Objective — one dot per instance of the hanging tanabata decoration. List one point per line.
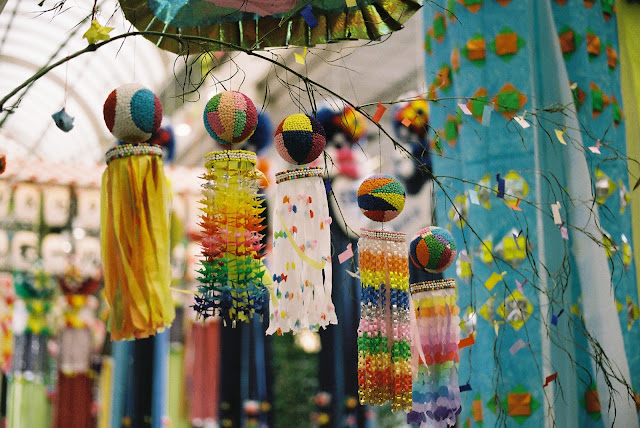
(384, 346)
(135, 218)
(73, 406)
(7, 299)
(301, 238)
(27, 392)
(231, 277)
(436, 394)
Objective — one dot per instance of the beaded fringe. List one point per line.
(436, 394)
(384, 345)
(232, 269)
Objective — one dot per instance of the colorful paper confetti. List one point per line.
(346, 254)
(467, 341)
(518, 345)
(379, 112)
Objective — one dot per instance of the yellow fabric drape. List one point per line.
(104, 388)
(628, 18)
(134, 231)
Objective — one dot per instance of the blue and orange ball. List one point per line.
(381, 197)
(230, 117)
(433, 249)
(132, 113)
(300, 139)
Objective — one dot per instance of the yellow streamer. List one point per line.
(135, 246)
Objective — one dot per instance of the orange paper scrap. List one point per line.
(467, 341)
(515, 205)
(379, 112)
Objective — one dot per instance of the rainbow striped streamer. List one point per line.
(384, 345)
(231, 281)
(436, 394)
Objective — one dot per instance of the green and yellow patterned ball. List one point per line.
(381, 197)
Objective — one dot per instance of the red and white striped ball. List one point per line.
(132, 113)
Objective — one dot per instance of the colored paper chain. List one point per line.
(384, 345)
(232, 269)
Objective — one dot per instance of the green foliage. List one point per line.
(296, 383)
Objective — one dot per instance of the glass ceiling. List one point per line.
(31, 39)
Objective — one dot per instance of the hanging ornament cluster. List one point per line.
(32, 321)
(351, 123)
(436, 394)
(384, 343)
(75, 382)
(134, 224)
(231, 277)
(302, 273)
(411, 119)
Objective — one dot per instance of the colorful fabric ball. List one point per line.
(381, 197)
(132, 113)
(230, 117)
(300, 139)
(432, 249)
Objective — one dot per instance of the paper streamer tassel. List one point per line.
(231, 277)
(384, 346)
(301, 254)
(134, 232)
(436, 394)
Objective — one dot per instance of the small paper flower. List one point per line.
(97, 32)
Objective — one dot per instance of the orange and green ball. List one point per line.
(433, 249)
(381, 197)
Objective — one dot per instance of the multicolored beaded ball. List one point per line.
(230, 117)
(300, 139)
(432, 249)
(381, 197)
(132, 113)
